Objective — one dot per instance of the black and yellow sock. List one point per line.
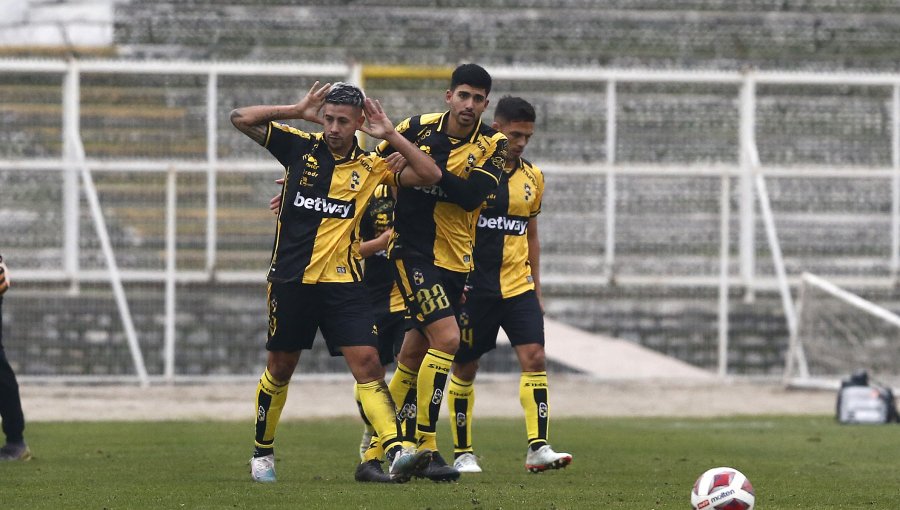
(403, 391)
(271, 394)
(374, 451)
(379, 410)
(429, 394)
(369, 428)
(534, 396)
(461, 401)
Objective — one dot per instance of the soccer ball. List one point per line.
(722, 488)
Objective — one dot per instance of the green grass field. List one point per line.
(793, 462)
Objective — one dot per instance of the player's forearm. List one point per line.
(467, 193)
(424, 171)
(373, 246)
(253, 121)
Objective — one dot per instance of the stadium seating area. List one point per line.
(689, 33)
(665, 224)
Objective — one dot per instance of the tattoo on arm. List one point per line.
(257, 132)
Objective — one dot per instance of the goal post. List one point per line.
(837, 333)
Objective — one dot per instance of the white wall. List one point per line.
(56, 22)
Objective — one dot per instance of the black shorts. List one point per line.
(431, 292)
(391, 327)
(483, 316)
(341, 310)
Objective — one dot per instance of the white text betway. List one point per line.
(512, 226)
(329, 207)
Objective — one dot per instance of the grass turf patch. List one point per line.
(640, 463)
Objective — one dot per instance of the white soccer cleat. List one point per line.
(364, 443)
(545, 458)
(408, 462)
(467, 463)
(262, 469)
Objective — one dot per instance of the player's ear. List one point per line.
(361, 120)
(449, 95)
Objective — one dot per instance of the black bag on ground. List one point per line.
(861, 402)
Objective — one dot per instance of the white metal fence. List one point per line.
(202, 189)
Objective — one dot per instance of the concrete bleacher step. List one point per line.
(605, 357)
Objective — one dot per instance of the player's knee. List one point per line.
(466, 371)
(412, 353)
(366, 367)
(448, 344)
(281, 365)
(533, 359)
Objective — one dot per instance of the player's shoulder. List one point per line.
(292, 130)
(533, 171)
(427, 119)
(492, 136)
(531, 168)
(416, 122)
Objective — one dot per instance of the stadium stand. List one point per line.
(656, 33)
(665, 224)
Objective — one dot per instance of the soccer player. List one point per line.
(505, 291)
(315, 274)
(375, 229)
(431, 246)
(10, 402)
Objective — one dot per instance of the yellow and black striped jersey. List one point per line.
(378, 273)
(315, 239)
(426, 221)
(501, 244)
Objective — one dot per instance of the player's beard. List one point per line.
(337, 145)
(466, 118)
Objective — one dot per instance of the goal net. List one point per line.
(838, 333)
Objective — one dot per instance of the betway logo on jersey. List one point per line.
(329, 207)
(434, 189)
(509, 225)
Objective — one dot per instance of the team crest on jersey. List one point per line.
(463, 319)
(498, 161)
(354, 180)
(311, 162)
(418, 277)
(527, 192)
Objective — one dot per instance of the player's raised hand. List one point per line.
(313, 101)
(377, 123)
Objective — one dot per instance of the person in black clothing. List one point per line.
(10, 402)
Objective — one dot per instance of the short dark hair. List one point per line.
(344, 93)
(514, 109)
(473, 75)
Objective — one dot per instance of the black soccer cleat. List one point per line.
(438, 471)
(371, 471)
